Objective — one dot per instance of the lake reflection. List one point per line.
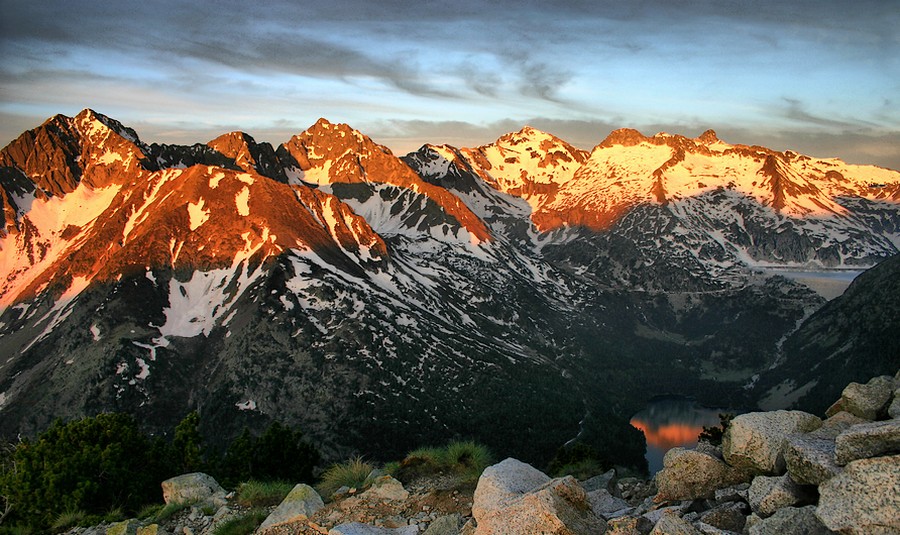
(672, 422)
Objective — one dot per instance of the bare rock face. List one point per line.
(689, 474)
(864, 498)
(755, 441)
(193, 488)
(867, 440)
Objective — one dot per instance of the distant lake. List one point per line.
(829, 284)
(672, 422)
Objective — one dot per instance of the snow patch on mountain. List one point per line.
(197, 214)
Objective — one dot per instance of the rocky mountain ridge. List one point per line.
(417, 295)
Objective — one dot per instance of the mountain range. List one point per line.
(526, 293)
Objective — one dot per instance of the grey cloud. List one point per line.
(796, 111)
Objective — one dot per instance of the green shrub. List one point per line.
(262, 493)
(280, 453)
(242, 525)
(89, 465)
(713, 434)
(352, 473)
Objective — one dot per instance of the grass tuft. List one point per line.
(352, 473)
(262, 493)
(464, 459)
(242, 525)
(68, 519)
(150, 510)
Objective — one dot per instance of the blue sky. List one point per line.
(821, 77)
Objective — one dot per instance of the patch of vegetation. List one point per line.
(68, 519)
(86, 465)
(280, 453)
(149, 511)
(352, 473)
(463, 459)
(713, 434)
(170, 510)
(262, 493)
(579, 460)
(581, 470)
(242, 525)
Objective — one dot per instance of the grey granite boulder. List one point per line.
(502, 482)
(868, 400)
(867, 440)
(560, 506)
(605, 504)
(728, 517)
(754, 442)
(789, 520)
(894, 407)
(672, 524)
(809, 459)
(196, 487)
(689, 474)
(445, 525)
(864, 498)
(298, 505)
(769, 494)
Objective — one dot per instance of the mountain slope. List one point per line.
(849, 339)
(385, 303)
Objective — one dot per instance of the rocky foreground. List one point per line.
(776, 473)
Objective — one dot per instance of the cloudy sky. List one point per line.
(818, 76)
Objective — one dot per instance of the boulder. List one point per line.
(868, 400)
(789, 520)
(729, 517)
(197, 487)
(606, 481)
(152, 529)
(559, 507)
(754, 442)
(629, 525)
(356, 528)
(864, 498)
(126, 527)
(732, 494)
(386, 488)
(894, 407)
(810, 460)
(689, 474)
(769, 494)
(504, 481)
(605, 504)
(837, 424)
(298, 505)
(867, 440)
(445, 525)
(672, 524)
